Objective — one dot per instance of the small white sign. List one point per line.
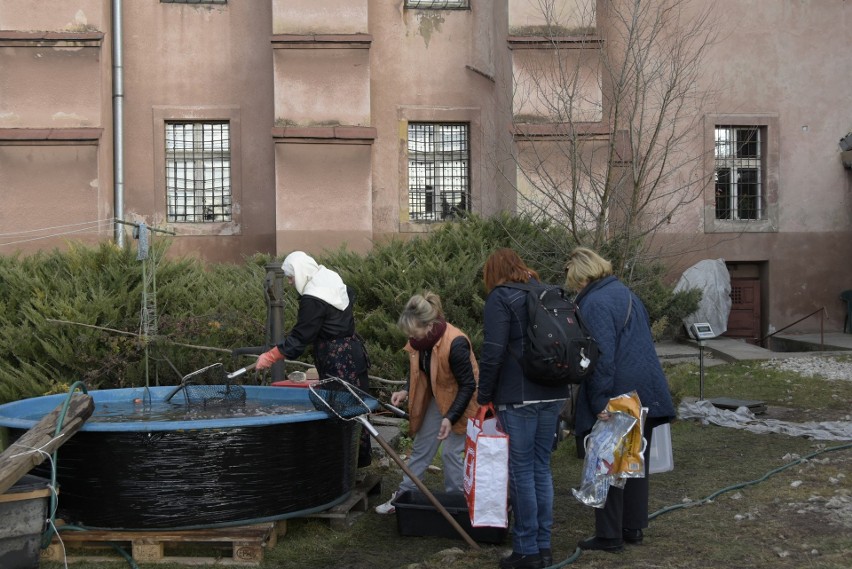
(702, 331)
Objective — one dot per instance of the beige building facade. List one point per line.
(248, 126)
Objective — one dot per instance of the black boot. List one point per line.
(519, 561)
(611, 545)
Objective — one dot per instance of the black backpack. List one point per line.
(558, 349)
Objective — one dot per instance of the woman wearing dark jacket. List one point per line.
(440, 392)
(527, 411)
(628, 361)
(325, 321)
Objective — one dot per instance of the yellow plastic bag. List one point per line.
(629, 455)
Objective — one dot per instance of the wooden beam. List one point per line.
(19, 458)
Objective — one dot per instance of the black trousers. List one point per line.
(346, 358)
(627, 508)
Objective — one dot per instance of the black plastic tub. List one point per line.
(416, 516)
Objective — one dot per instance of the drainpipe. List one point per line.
(118, 119)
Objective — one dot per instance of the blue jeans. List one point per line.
(531, 429)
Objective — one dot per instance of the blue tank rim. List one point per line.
(12, 415)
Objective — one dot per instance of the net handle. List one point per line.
(390, 452)
(426, 492)
(241, 371)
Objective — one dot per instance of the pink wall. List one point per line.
(319, 95)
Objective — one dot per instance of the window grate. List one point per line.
(736, 295)
(739, 173)
(437, 4)
(198, 172)
(438, 171)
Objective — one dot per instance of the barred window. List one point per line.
(739, 173)
(438, 171)
(198, 172)
(438, 4)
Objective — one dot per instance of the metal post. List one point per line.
(700, 370)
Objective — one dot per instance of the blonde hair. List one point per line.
(584, 266)
(419, 312)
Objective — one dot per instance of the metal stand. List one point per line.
(701, 331)
(275, 299)
(275, 302)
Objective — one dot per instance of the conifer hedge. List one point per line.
(76, 314)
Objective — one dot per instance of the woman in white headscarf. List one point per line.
(325, 321)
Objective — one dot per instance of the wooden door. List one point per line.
(744, 320)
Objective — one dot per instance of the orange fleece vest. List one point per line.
(444, 384)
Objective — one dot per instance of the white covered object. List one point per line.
(744, 419)
(714, 280)
(661, 458)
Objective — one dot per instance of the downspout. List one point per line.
(118, 119)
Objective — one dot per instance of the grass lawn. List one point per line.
(800, 516)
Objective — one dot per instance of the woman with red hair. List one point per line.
(527, 411)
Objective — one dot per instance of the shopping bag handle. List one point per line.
(483, 410)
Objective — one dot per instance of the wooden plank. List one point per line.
(196, 535)
(19, 458)
(280, 531)
(245, 545)
(21, 496)
(344, 514)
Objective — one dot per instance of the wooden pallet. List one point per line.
(229, 546)
(344, 514)
(232, 546)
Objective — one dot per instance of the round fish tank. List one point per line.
(143, 463)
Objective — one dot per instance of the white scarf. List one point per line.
(315, 280)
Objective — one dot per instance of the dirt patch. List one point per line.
(797, 415)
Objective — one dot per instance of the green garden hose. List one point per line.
(51, 529)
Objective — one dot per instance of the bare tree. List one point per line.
(606, 107)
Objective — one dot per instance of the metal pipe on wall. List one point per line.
(118, 119)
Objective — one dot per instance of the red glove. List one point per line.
(268, 358)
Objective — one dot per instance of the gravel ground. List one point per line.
(829, 367)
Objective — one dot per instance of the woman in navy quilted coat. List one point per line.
(617, 319)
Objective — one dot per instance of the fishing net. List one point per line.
(209, 387)
(338, 398)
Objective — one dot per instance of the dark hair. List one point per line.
(506, 266)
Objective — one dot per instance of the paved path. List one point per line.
(722, 349)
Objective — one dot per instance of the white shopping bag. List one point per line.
(486, 471)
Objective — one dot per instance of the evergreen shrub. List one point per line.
(76, 315)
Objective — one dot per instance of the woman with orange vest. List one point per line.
(440, 392)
